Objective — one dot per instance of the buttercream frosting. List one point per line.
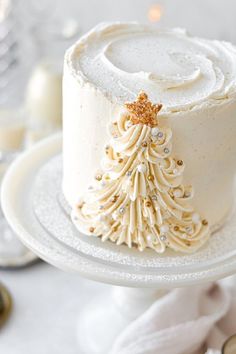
(139, 198)
(173, 68)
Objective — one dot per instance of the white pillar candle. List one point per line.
(44, 97)
(12, 129)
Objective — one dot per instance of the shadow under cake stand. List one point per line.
(35, 208)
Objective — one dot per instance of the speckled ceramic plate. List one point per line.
(35, 208)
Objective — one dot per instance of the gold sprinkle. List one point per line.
(148, 204)
(204, 222)
(120, 160)
(143, 111)
(115, 123)
(91, 229)
(114, 198)
(115, 228)
(150, 177)
(176, 228)
(144, 144)
(98, 177)
(180, 162)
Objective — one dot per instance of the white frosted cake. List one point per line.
(190, 87)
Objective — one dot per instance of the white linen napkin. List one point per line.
(191, 320)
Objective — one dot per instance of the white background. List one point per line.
(208, 18)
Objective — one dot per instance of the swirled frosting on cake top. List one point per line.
(178, 70)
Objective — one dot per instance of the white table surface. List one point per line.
(47, 302)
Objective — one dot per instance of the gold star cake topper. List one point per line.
(143, 111)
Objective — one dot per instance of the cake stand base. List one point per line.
(106, 317)
(13, 254)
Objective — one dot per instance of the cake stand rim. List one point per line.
(40, 153)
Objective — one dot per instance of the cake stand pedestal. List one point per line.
(36, 210)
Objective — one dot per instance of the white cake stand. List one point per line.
(35, 208)
(13, 254)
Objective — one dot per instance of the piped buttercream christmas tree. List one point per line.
(138, 198)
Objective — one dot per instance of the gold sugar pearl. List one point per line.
(120, 160)
(98, 177)
(91, 229)
(204, 222)
(115, 228)
(150, 177)
(176, 228)
(180, 162)
(144, 144)
(148, 204)
(114, 198)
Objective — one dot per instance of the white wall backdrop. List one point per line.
(209, 18)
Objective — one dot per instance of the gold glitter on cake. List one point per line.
(143, 111)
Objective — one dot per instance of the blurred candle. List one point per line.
(44, 100)
(12, 129)
(155, 12)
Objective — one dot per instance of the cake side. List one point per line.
(203, 130)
